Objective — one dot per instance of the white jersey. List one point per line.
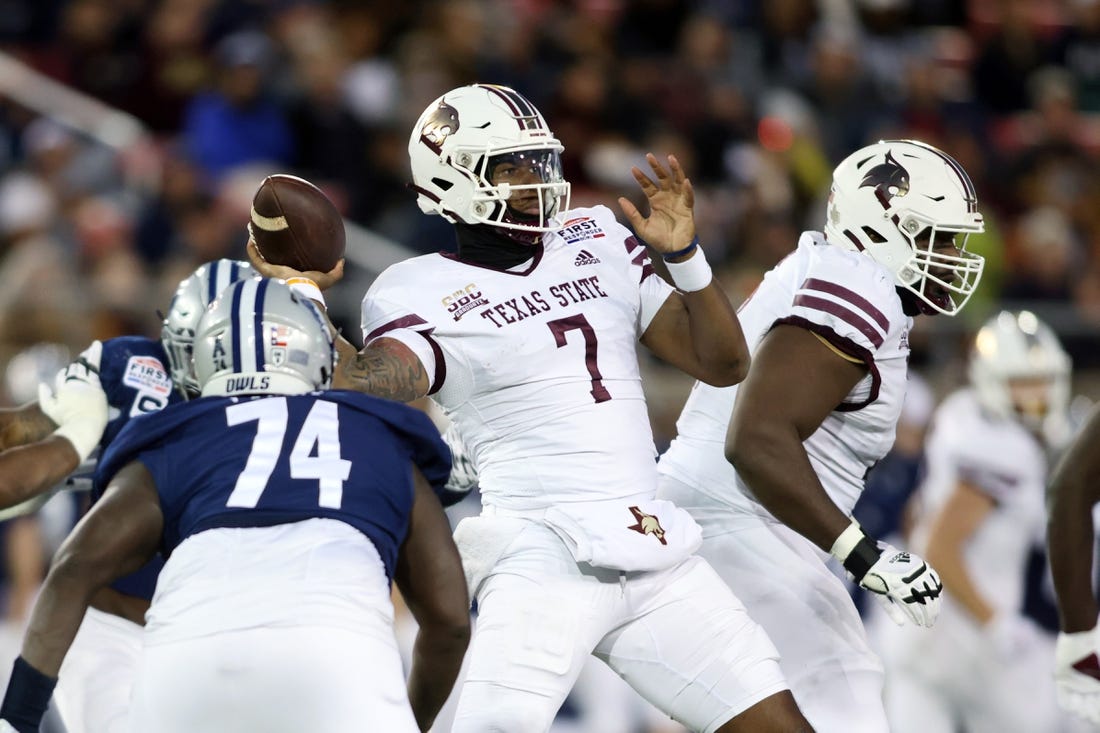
(998, 457)
(537, 366)
(848, 300)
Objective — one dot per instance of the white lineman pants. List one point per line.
(279, 680)
(97, 676)
(679, 637)
(782, 579)
(280, 629)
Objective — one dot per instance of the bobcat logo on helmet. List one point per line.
(442, 123)
(647, 524)
(888, 179)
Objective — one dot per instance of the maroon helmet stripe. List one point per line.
(521, 109)
(496, 90)
(852, 318)
(852, 297)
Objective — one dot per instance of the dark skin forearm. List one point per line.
(795, 383)
(436, 661)
(1073, 490)
(699, 333)
(29, 470)
(119, 534)
(776, 467)
(429, 575)
(716, 335)
(1070, 547)
(57, 615)
(23, 425)
(384, 368)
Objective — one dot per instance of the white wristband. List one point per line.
(691, 275)
(847, 541)
(307, 288)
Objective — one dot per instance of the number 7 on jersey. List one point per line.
(560, 328)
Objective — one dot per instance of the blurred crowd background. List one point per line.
(134, 132)
(104, 206)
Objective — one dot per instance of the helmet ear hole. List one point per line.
(443, 184)
(873, 235)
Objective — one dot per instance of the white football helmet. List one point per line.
(892, 201)
(260, 337)
(459, 141)
(1015, 347)
(194, 294)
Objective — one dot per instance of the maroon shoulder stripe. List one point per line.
(850, 317)
(403, 322)
(846, 346)
(408, 322)
(851, 296)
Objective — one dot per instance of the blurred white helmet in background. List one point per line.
(1020, 371)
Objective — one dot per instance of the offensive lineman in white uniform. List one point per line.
(828, 328)
(527, 338)
(986, 667)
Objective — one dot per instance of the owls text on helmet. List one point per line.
(260, 337)
(483, 154)
(894, 201)
(194, 294)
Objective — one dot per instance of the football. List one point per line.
(295, 224)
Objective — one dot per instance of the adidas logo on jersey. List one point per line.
(584, 257)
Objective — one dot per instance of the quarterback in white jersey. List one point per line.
(772, 468)
(536, 367)
(527, 338)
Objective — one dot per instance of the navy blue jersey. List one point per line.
(261, 461)
(134, 374)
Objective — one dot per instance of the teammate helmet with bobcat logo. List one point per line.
(194, 294)
(463, 136)
(260, 337)
(1019, 370)
(894, 201)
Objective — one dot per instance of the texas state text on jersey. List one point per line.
(537, 366)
